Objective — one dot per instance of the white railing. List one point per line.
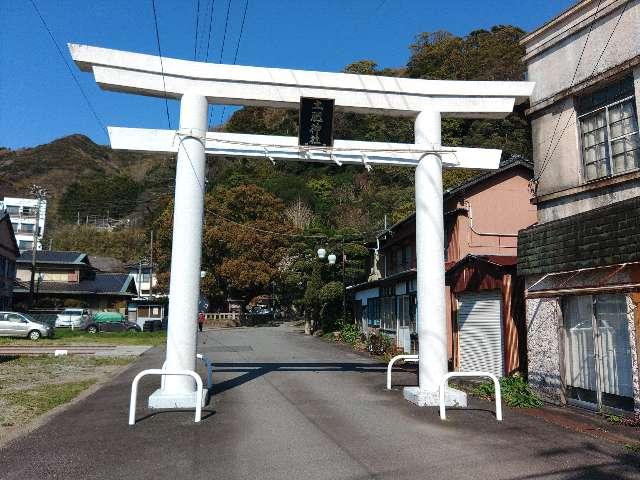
(445, 381)
(163, 372)
(406, 358)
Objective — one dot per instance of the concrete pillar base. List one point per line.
(161, 399)
(425, 398)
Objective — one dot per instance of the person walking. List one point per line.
(200, 321)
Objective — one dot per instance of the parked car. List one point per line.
(111, 322)
(13, 324)
(73, 318)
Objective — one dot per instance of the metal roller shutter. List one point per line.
(480, 332)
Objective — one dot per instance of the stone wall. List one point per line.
(544, 347)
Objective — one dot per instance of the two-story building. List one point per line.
(8, 253)
(582, 260)
(484, 307)
(68, 279)
(25, 220)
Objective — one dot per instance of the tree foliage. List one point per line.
(127, 245)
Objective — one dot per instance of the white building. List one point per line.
(22, 212)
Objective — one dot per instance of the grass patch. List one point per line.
(69, 337)
(516, 392)
(32, 385)
(633, 448)
(30, 403)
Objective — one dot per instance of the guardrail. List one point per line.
(406, 358)
(163, 372)
(496, 383)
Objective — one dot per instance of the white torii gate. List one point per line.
(196, 84)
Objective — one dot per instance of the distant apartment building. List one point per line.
(582, 260)
(22, 212)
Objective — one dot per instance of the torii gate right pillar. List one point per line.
(431, 316)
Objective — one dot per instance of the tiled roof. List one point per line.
(53, 256)
(102, 284)
(604, 236)
(107, 264)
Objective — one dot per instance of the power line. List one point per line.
(209, 33)
(164, 86)
(235, 55)
(195, 43)
(575, 73)
(595, 67)
(224, 35)
(224, 38)
(244, 17)
(73, 75)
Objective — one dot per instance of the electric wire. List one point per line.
(235, 55)
(224, 35)
(195, 43)
(595, 67)
(575, 73)
(73, 75)
(164, 86)
(209, 32)
(224, 38)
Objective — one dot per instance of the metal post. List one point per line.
(431, 321)
(151, 267)
(184, 287)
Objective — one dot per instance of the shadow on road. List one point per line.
(205, 413)
(252, 371)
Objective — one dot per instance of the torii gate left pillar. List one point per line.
(184, 283)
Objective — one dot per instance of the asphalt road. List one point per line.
(292, 407)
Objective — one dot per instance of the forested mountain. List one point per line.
(264, 221)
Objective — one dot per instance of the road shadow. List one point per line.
(206, 413)
(251, 371)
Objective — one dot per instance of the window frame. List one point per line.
(608, 140)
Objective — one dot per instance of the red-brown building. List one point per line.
(484, 295)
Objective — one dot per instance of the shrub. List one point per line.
(516, 392)
(379, 344)
(350, 333)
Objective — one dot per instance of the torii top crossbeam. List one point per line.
(198, 84)
(277, 87)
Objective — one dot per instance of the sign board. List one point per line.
(316, 122)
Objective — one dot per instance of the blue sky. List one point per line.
(40, 102)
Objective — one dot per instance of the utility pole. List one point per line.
(40, 193)
(151, 267)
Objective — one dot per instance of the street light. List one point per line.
(332, 259)
(321, 253)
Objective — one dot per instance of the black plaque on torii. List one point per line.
(316, 122)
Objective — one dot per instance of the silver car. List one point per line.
(13, 324)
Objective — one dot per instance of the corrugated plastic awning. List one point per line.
(610, 279)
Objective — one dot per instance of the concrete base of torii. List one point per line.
(425, 398)
(161, 400)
